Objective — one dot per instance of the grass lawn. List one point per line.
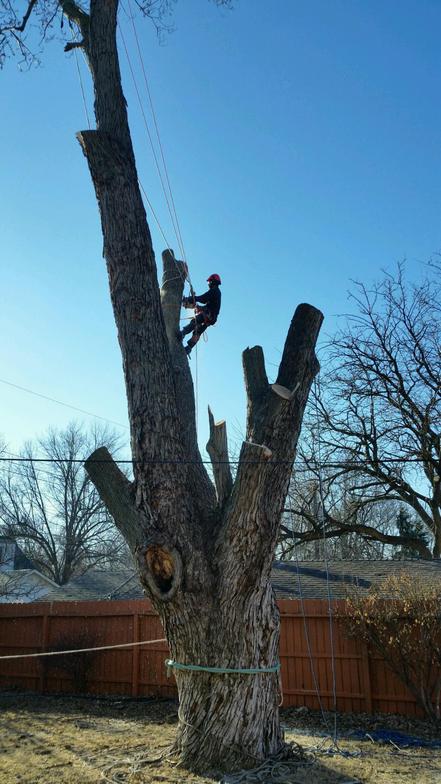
(58, 740)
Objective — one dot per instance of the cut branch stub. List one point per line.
(273, 409)
(116, 492)
(275, 415)
(256, 385)
(217, 448)
(174, 273)
(298, 353)
(173, 281)
(283, 392)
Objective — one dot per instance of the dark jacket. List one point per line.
(212, 301)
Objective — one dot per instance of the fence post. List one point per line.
(366, 674)
(44, 642)
(135, 656)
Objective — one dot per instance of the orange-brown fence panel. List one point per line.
(319, 664)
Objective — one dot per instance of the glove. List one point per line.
(187, 302)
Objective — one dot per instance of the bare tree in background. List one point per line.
(374, 423)
(353, 530)
(26, 26)
(53, 510)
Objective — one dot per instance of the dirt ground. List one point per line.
(56, 740)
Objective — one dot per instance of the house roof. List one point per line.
(18, 560)
(24, 585)
(291, 580)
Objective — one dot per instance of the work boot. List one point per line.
(179, 335)
(188, 349)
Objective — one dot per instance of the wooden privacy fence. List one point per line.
(362, 680)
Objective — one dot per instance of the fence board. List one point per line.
(363, 681)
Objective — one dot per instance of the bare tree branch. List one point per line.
(377, 415)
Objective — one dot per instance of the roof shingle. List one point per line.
(290, 579)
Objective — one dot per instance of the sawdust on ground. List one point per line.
(59, 740)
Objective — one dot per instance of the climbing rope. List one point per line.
(306, 632)
(158, 135)
(163, 175)
(149, 136)
(326, 560)
(80, 78)
(43, 654)
(168, 194)
(174, 665)
(280, 768)
(333, 747)
(274, 768)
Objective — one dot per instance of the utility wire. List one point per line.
(334, 465)
(171, 461)
(321, 521)
(61, 403)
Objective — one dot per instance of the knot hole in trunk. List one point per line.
(164, 570)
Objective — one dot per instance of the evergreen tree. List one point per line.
(408, 525)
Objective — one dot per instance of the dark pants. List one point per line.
(197, 325)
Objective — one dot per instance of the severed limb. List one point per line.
(74, 45)
(257, 388)
(117, 493)
(274, 420)
(217, 448)
(159, 564)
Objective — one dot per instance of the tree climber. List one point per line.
(204, 316)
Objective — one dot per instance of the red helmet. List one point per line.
(215, 278)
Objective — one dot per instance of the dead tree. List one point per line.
(203, 553)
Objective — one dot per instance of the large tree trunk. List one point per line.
(203, 553)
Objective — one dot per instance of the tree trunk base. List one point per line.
(227, 722)
(285, 762)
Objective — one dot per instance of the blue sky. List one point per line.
(302, 139)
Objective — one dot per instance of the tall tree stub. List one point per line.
(204, 552)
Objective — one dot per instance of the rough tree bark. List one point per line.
(204, 554)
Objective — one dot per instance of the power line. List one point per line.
(61, 403)
(334, 465)
(195, 461)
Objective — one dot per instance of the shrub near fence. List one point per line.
(363, 681)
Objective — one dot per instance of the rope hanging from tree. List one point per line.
(171, 664)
